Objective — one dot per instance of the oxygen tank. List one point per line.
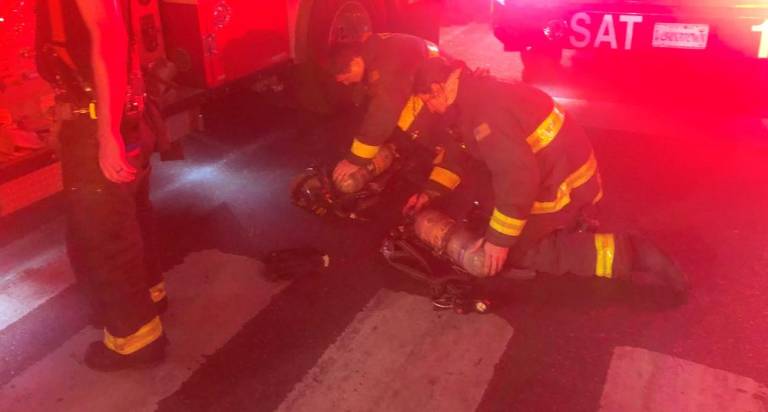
(357, 180)
(445, 236)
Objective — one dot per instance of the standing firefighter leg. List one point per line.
(144, 215)
(105, 241)
(607, 255)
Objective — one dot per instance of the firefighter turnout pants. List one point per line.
(563, 243)
(109, 240)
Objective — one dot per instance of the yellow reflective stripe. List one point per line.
(409, 113)
(157, 292)
(363, 150)
(445, 177)
(605, 245)
(92, 110)
(563, 197)
(506, 225)
(547, 130)
(599, 189)
(452, 85)
(129, 344)
(598, 198)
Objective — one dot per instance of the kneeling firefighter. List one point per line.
(385, 64)
(544, 178)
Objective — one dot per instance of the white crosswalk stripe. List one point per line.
(640, 380)
(213, 295)
(32, 287)
(395, 354)
(33, 269)
(400, 357)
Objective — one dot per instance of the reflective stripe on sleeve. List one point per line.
(363, 150)
(141, 338)
(506, 225)
(445, 177)
(409, 113)
(605, 246)
(547, 130)
(563, 197)
(157, 292)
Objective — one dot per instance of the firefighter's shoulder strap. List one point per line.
(59, 39)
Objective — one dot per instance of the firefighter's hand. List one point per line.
(495, 256)
(416, 203)
(112, 159)
(343, 169)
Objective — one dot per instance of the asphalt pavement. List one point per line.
(360, 336)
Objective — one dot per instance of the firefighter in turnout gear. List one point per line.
(544, 178)
(385, 64)
(85, 50)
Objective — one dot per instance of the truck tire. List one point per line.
(331, 20)
(540, 64)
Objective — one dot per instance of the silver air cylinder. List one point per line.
(357, 180)
(445, 236)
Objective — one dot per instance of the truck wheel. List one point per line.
(540, 64)
(330, 21)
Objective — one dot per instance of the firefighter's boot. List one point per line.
(651, 266)
(101, 358)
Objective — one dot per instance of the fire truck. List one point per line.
(214, 45)
(717, 32)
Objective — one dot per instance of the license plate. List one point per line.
(680, 36)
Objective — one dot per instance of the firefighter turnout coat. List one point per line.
(542, 164)
(391, 63)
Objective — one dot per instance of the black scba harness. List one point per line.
(315, 192)
(456, 290)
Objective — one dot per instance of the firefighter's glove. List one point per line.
(494, 256)
(418, 202)
(342, 171)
